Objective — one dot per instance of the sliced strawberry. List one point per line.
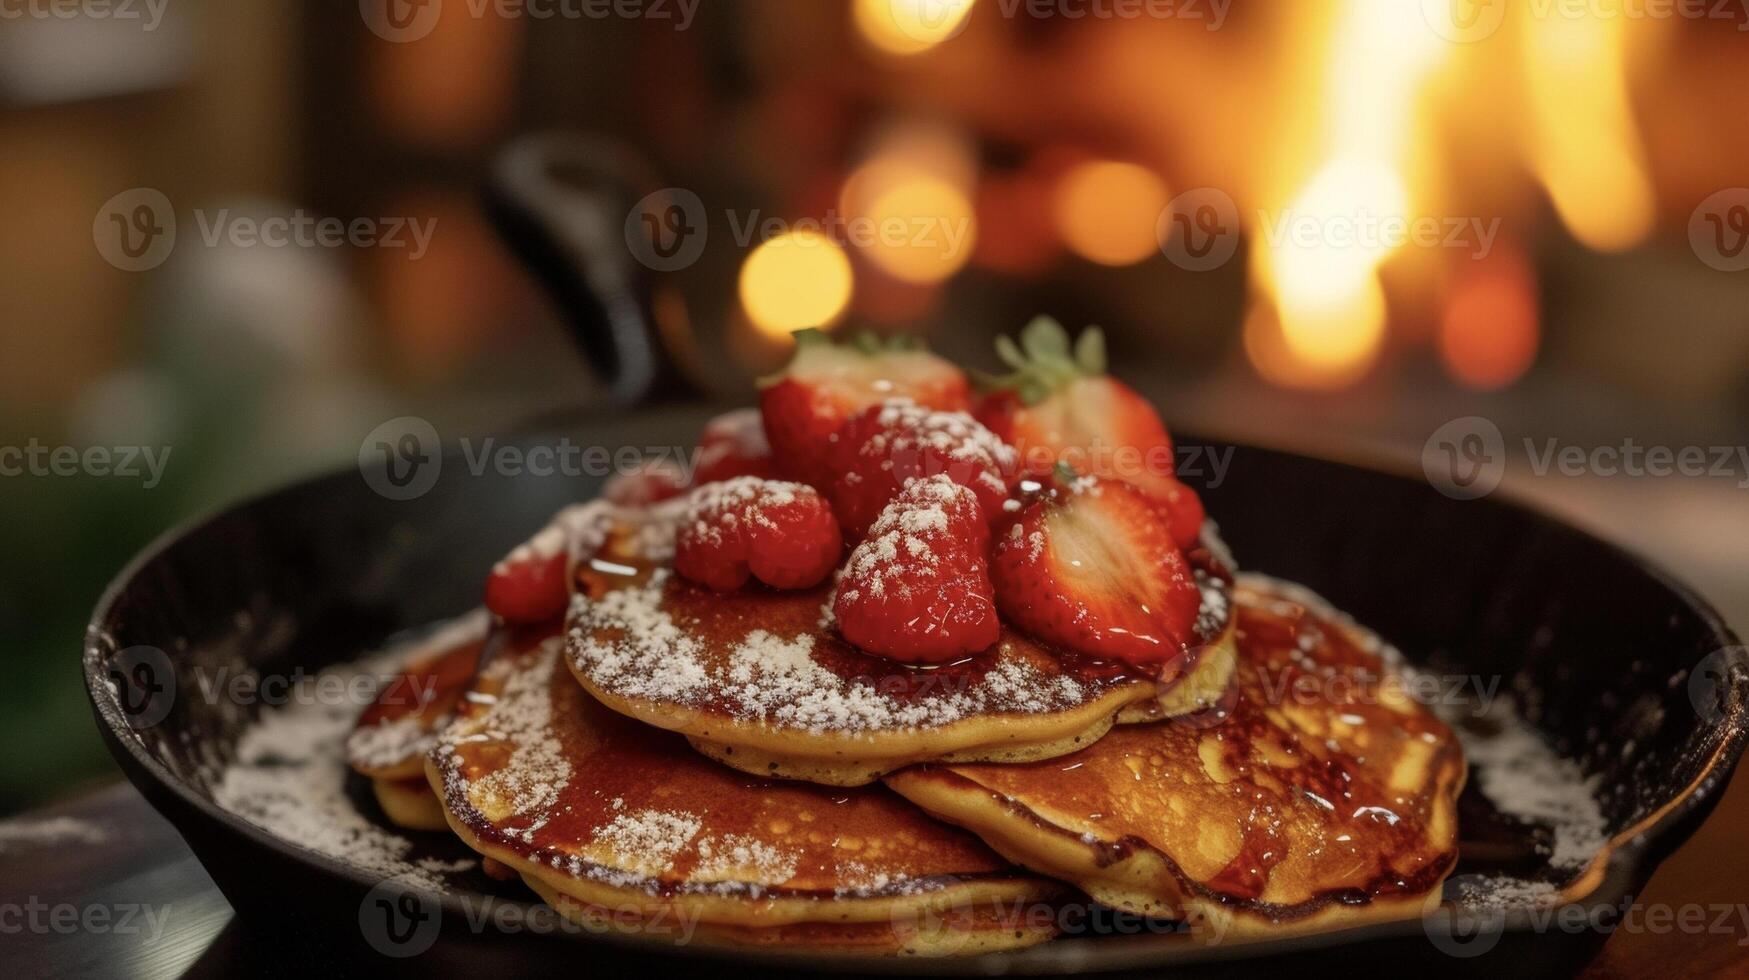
(826, 383)
(918, 589)
(780, 533)
(1059, 406)
(733, 444)
(650, 482)
(528, 588)
(1092, 566)
(886, 446)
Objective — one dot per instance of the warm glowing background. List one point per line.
(1045, 163)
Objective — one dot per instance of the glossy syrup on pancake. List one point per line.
(389, 741)
(537, 775)
(1319, 795)
(760, 680)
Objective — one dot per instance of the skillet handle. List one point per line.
(560, 202)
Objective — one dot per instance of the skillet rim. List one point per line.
(1623, 856)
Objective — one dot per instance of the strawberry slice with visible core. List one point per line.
(885, 447)
(826, 383)
(918, 589)
(1091, 566)
(1060, 407)
(778, 532)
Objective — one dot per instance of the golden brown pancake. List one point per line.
(1320, 795)
(394, 732)
(759, 680)
(612, 814)
(983, 929)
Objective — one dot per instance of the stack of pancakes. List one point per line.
(724, 769)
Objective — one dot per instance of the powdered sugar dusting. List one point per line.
(648, 840)
(529, 783)
(395, 740)
(1523, 777)
(775, 679)
(910, 431)
(902, 532)
(289, 778)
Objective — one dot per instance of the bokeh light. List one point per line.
(1107, 211)
(907, 27)
(1488, 336)
(797, 280)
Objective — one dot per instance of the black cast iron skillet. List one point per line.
(1601, 646)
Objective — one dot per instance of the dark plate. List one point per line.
(1599, 646)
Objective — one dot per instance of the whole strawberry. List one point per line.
(1060, 407)
(918, 588)
(825, 383)
(887, 446)
(1090, 565)
(781, 533)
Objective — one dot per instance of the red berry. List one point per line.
(733, 444)
(780, 533)
(918, 589)
(1184, 510)
(889, 445)
(528, 588)
(1093, 567)
(1059, 406)
(650, 482)
(826, 383)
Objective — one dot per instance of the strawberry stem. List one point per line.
(1044, 360)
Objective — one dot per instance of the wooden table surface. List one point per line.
(140, 863)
